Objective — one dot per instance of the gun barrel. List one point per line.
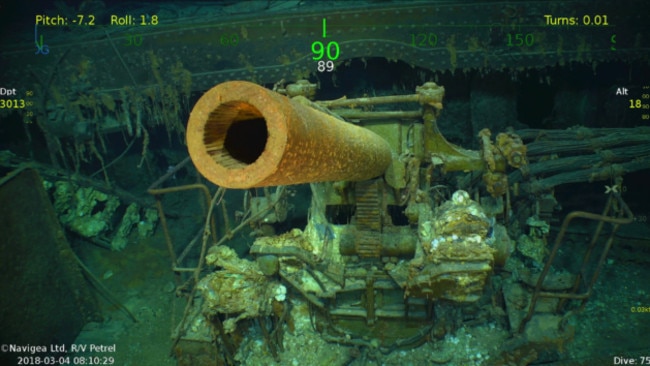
(241, 135)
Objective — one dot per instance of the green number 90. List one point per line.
(319, 50)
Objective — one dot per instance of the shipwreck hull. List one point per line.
(268, 48)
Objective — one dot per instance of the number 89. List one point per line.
(325, 66)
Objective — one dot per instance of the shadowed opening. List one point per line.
(235, 134)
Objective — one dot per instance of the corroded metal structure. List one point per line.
(383, 263)
(241, 135)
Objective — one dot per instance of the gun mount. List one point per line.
(382, 262)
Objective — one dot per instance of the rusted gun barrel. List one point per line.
(241, 135)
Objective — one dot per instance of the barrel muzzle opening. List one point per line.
(235, 134)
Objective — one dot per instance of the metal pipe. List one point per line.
(167, 175)
(241, 135)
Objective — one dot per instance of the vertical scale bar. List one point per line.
(324, 28)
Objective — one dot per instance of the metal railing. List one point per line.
(156, 191)
(621, 216)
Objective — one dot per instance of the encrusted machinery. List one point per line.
(379, 256)
(389, 258)
(381, 285)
